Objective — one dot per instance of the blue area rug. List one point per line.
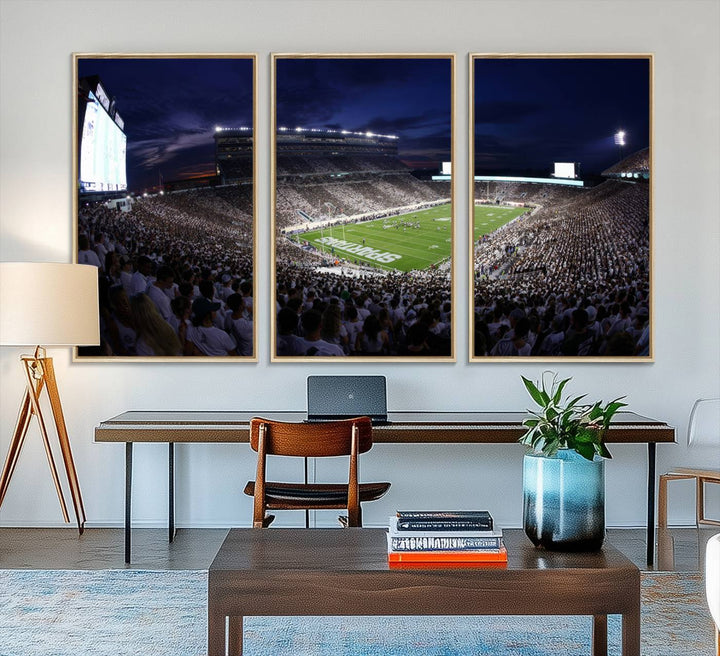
(131, 612)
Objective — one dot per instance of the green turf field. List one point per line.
(491, 217)
(389, 244)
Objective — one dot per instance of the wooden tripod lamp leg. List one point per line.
(16, 443)
(64, 440)
(30, 406)
(39, 373)
(34, 374)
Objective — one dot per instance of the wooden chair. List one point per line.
(349, 437)
(703, 429)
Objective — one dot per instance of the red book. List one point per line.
(449, 557)
(448, 565)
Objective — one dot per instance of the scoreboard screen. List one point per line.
(102, 150)
(565, 170)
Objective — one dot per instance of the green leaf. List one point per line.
(551, 448)
(586, 436)
(575, 401)
(610, 409)
(558, 393)
(587, 451)
(534, 392)
(595, 412)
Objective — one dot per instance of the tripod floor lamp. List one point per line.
(46, 304)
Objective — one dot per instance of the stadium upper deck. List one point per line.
(324, 143)
(304, 153)
(635, 166)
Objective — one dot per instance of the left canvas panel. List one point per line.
(164, 199)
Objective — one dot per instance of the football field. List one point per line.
(407, 242)
(491, 217)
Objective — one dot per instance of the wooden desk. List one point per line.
(279, 572)
(205, 426)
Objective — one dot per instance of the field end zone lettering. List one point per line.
(363, 251)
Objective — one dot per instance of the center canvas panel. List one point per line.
(363, 207)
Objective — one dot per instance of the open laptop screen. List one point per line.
(342, 397)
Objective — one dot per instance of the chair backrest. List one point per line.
(704, 423)
(311, 440)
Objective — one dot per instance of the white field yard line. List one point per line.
(420, 250)
(408, 245)
(404, 245)
(419, 254)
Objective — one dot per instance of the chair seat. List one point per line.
(328, 495)
(691, 472)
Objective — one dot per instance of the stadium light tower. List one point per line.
(620, 141)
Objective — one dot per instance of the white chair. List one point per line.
(703, 430)
(712, 584)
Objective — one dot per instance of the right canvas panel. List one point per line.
(561, 207)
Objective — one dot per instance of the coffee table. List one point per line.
(294, 572)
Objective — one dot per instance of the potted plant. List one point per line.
(564, 468)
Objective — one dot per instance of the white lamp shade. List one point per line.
(48, 304)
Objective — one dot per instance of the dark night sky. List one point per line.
(171, 107)
(530, 113)
(408, 98)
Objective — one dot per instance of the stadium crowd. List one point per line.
(175, 273)
(323, 313)
(568, 279)
(492, 191)
(359, 196)
(293, 164)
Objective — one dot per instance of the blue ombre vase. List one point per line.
(564, 501)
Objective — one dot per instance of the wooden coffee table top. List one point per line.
(365, 550)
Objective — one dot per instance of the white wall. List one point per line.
(36, 41)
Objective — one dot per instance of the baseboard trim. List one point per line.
(142, 524)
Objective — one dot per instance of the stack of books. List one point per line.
(445, 538)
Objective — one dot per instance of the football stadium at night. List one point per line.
(358, 230)
(561, 226)
(363, 231)
(165, 212)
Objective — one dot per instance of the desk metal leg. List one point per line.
(307, 512)
(171, 491)
(651, 505)
(128, 497)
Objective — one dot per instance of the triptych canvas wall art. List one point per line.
(363, 211)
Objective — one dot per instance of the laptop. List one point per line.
(330, 398)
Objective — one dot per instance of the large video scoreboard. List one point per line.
(103, 143)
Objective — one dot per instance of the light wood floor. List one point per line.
(680, 549)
